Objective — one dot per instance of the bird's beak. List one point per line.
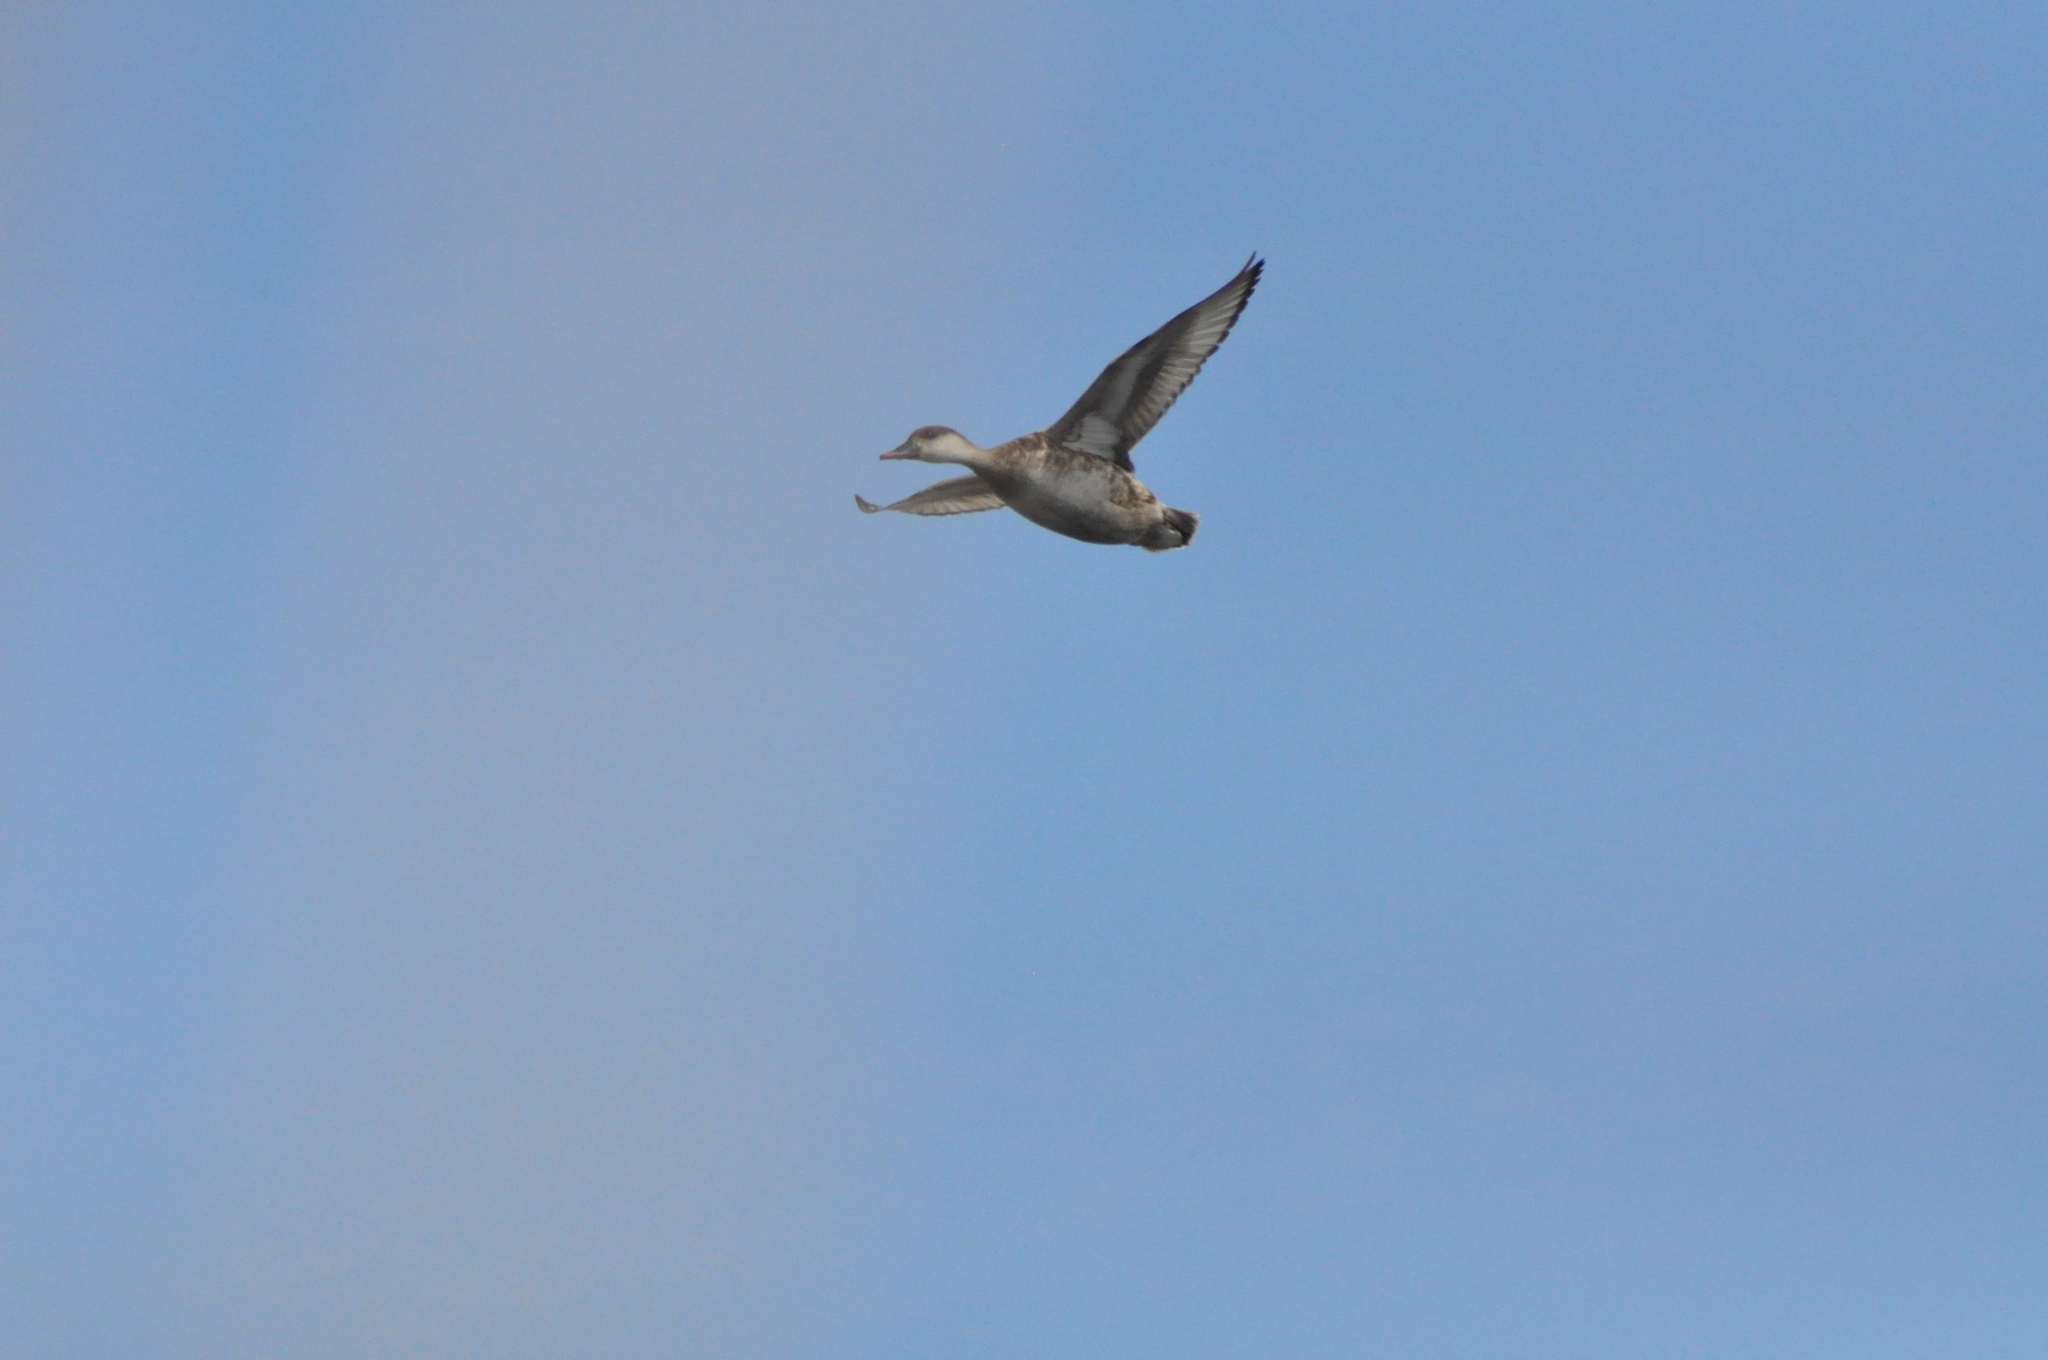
(900, 451)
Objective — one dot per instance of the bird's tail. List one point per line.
(1176, 529)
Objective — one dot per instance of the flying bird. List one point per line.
(1075, 476)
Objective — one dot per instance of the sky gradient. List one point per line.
(503, 859)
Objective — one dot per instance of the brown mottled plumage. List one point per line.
(1075, 477)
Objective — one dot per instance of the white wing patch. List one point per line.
(1095, 435)
(954, 496)
(1134, 392)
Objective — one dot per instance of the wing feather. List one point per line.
(1134, 392)
(954, 496)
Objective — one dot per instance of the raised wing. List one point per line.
(1132, 393)
(954, 496)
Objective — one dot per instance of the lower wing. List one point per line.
(955, 496)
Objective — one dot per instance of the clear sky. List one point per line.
(503, 860)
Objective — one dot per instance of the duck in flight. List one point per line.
(1075, 476)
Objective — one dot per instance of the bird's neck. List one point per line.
(972, 458)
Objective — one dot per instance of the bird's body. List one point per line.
(1061, 489)
(1075, 477)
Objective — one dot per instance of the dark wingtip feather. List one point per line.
(866, 507)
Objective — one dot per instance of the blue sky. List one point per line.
(502, 859)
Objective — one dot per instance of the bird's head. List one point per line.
(934, 444)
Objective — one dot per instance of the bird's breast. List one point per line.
(1075, 494)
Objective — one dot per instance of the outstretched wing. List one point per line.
(1132, 393)
(954, 496)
